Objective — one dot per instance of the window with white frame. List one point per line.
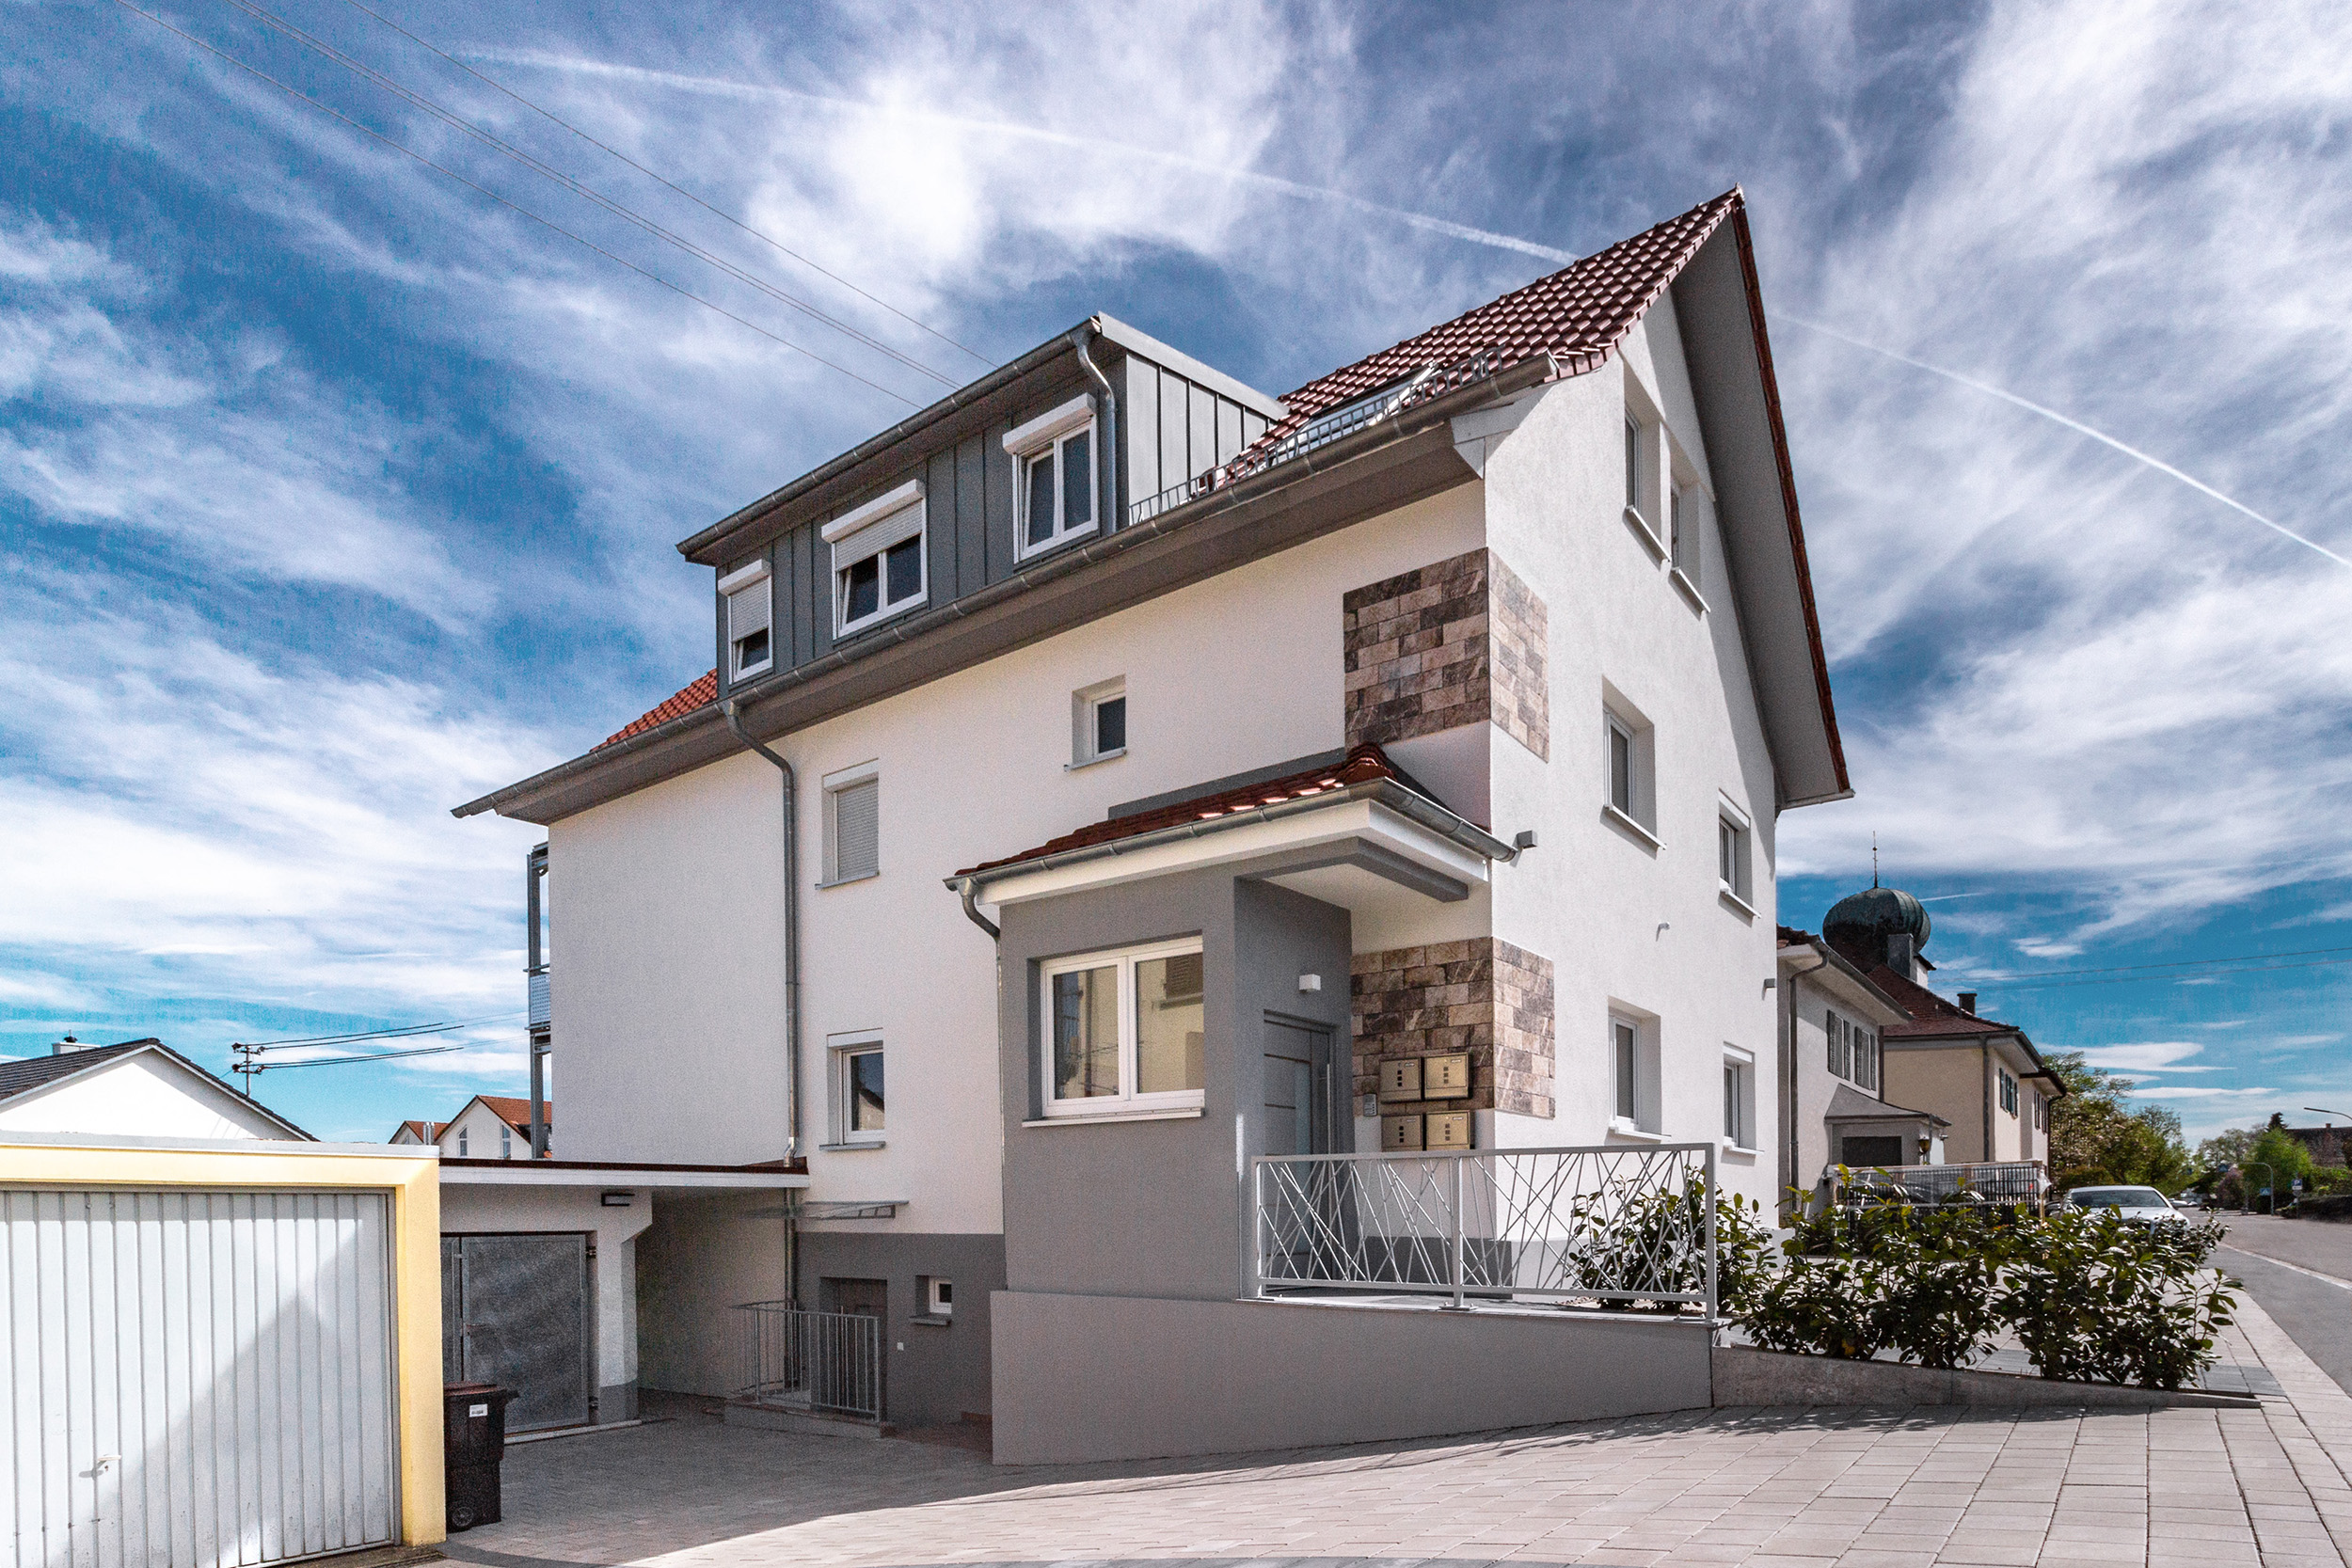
(749, 595)
(1098, 723)
(878, 559)
(855, 1069)
(1633, 1073)
(1627, 788)
(1123, 1031)
(852, 824)
(462, 1135)
(939, 1296)
(507, 1142)
(1054, 475)
(1865, 1058)
(1733, 852)
(1739, 1098)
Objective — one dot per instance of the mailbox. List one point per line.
(1400, 1078)
(1449, 1130)
(1445, 1078)
(1400, 1134)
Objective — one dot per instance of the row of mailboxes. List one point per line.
(1436, 1130)
(1424, 1078)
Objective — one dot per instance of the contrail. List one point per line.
(2076, 425)
(720, 86)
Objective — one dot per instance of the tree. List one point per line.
(2096, 1136)
(2217, 1154)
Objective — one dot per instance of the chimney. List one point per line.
(67, 1046)
(1900, 949)
(1967, 1001)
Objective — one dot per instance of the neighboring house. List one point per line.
(1135, 773)
(1952, 1086)
(1834, 1105)
(488, 1127)
(139, 1089)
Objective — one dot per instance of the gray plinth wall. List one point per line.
(1112, 1377)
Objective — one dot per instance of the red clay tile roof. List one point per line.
(423, 1132)
(702, 693)
(1366, 764)
(514, 1110)
(1577, 315)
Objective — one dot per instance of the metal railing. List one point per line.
(542, 996)
(1422, 385)
(819, 1363)
(1606, 1225)
(2020, 1182)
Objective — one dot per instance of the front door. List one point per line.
(1298, 1089)
(515, 1311)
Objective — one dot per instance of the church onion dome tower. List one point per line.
(1864, 922)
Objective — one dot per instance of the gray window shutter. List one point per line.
(747, 610)
(856, 824)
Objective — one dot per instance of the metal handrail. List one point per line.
(821, 1362)
(1604, 1222)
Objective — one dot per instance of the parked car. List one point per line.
(2189, 1199)
(2133, 1205)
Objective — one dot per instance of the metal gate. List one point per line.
(195, 1380)
(515, 1311)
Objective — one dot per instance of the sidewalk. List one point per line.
(1772, 1488)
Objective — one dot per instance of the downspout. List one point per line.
(792, 936)
(792, 995)
(1984, 1060)
(1789, 1073)
(1107, 485)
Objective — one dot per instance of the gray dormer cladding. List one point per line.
(1176, 418)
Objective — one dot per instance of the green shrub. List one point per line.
(2090, 1297)
(1650, 1244)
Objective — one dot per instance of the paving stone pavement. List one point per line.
(1772, 1488)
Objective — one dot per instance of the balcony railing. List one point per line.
(813, 1363)
(1607, 1225)
(541, 1004)
(2022, 1182)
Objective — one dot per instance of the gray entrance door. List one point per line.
(1298, 1089)
(515, 1311)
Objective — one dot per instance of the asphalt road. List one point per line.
(2277, 1259)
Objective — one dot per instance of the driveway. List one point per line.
(2300, 1271)
(1780, 1488)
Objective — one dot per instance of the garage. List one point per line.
(202, 1362)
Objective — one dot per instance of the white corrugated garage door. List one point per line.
(195, 1379)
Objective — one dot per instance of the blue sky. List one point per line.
(336, 493)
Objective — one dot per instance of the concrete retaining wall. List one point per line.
(1109, 1377)
(1743, 1377)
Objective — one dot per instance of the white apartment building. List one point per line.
(1113, 773)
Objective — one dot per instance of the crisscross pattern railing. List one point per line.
(824, 1362)
(1431, 381)
(1608, 1224)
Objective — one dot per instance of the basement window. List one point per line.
(1054, 473)
(878, 559)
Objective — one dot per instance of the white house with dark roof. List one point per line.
(1114, 778)
(138, 1089)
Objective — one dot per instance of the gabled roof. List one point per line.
(1577, 315)
(27, 1075)
(514, 1110)
(1934, 1019)
(423, 1132)
(1364, 769)
(1568, 324)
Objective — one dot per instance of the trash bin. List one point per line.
(473, 1433)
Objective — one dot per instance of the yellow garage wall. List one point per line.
(412, 1177)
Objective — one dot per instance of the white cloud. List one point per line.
(2151, 1057)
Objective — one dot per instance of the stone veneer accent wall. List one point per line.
(1482, 996)
(1445, 645)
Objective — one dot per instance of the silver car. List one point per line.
(2132, 1205)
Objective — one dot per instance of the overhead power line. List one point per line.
(547, 171)
(719, 213)
(512, 206)
(394, 1031)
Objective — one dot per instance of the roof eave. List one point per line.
(1385, 792)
